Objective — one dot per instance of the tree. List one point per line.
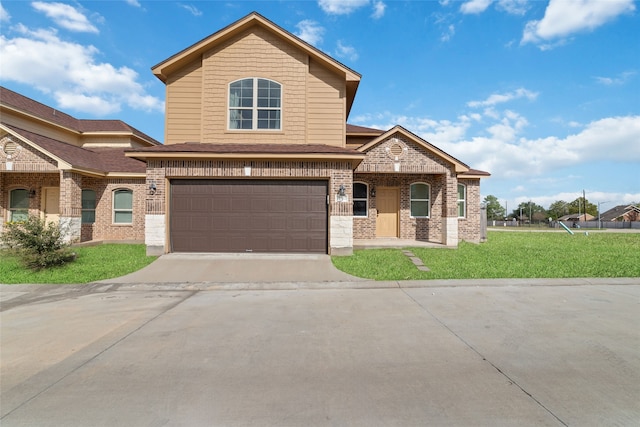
(558, 208)
(495, 211)
(580, 205)
(529, 211)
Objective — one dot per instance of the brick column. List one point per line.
(71, 205)
(450, 211)
(341, 212)
(155, 216)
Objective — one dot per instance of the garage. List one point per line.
(272, 216)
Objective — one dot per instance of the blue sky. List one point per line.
(545, 95)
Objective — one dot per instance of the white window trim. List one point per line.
(464, 201)
(420, 200)
(366, 215)
(113, 207)
(254, 108)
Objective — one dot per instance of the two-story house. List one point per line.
(258, 157)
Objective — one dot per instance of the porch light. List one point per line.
(341, 191)
(372, 193)
(152, 187)
(32, 193)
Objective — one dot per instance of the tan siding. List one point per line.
(184, 105)
(40, 128)
(326, 103)
(255, 53)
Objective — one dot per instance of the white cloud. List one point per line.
(448, 33)
(378, 9)
(134, 3)
(65, 16)
(345, 51)
(513, 7)
(191, 9)
(499, 98)
(475, 6)
(4, 15)
(310, 31)
(621, 79)
(341, 7)
(564, 18)
(71, 72)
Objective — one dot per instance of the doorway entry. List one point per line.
(388, 218)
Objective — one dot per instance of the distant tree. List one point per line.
(558, 208)
(582, 205)
(529, 211)
(495, 211)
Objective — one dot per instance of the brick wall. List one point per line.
(410, 228)
(70, 201)
(337, 173)
(469, 227)
(104, 228)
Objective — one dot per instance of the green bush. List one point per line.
(36, 243)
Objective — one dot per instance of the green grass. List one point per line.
(93, 263)
(507, 255)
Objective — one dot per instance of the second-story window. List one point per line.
(255, 104)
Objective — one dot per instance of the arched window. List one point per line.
(88, 206)
(462, 201)
(360, 199)
(18, 205)
(420, 200)
(255, 104)
(122, 206)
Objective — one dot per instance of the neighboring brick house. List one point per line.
(258, 157)
(624, 213)
(70, 170)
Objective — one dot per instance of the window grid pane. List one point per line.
(260, 95)
(19, 199)
(420, 200)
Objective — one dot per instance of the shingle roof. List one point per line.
(362, 129)
(96, 159)
(50, 114)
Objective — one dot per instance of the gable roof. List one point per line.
(96, 161)
(24, 105)
(460, 167)
(354, 130)
(618, 211)
(165, 68)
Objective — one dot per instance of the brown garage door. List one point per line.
(248, 216)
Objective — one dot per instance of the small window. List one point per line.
(255, 104)
(462, 201)
(360, 199)
(420, 200)
(88, 206)
(18, 205)
(122, 207)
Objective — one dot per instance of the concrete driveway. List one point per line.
(465, 355)
(237, 268)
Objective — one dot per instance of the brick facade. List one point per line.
(398, 162)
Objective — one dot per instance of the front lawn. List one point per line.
(93, 263)
(507, 255)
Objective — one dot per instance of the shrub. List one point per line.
(36, 243)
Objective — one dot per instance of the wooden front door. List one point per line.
(388, 204)
(51, 204)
